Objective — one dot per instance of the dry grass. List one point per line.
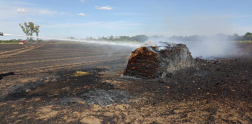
(80, 73)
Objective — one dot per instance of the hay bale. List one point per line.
(158, 61)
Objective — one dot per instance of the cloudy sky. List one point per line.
(96, 18)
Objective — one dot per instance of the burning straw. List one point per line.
(158, 60)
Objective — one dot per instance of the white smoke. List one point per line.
(212, 48)
(207, 48)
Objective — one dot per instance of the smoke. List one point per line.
(210, 48)
(207, 48)
(198, 23)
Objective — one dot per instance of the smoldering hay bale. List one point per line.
(158, 61)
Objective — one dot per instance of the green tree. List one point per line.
(248, 36)
(103, 38)
(111, 38)
(236, 37)
(26, 28)
(36, 30)
(32, 27)
(29, 28)
(124, 38)
(139, 38)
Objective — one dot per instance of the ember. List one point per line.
(158, 61)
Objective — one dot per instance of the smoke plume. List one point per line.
(207, 48)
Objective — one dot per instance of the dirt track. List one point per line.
(37, 86)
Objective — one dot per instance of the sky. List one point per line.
(97, 18)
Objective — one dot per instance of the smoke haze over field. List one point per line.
(207, 48)
(211, 48)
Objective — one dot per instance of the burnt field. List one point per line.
(82, 83)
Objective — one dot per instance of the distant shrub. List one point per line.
(12, 41)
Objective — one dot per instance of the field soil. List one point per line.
(59, 83)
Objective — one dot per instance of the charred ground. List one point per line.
(38, 86)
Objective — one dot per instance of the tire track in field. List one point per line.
(25, 50)
(42, 56)
(50, 68)
(247, 54)
(241, 51)
(50, 54)
(245, 51)
(58, 55)
(51, 60)
(25, 47)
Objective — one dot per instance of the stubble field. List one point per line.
(45, 83)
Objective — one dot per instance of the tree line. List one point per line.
(220, 36)
(137, 38)
(143, 38)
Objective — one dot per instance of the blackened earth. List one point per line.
(38, 86)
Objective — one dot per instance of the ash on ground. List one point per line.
(103, 97)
